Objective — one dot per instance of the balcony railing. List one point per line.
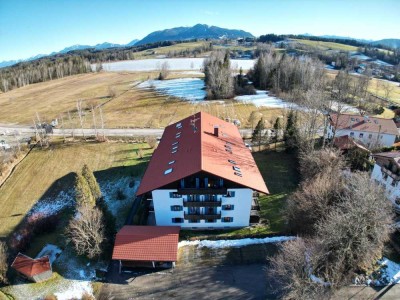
(202, 191)
(202, 216)
(202, 203)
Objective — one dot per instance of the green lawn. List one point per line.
(279, 170)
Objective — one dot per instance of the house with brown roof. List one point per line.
(386, 172)
(202, 175)
(370, 131)
(145, 246)
(34, 269)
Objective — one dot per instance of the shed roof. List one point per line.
(363, 123)
(345, 143)
(190, 146)
(31, 266)
(147, 243)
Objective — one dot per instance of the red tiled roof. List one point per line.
(345, 143)
(384, 157)
(30, 266)
(200, 150)
(147, 243)
(360, 123)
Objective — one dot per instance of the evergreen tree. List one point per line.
(258, 133)
(277, 127)
(84, 195)
(87, 173)
(290, 135)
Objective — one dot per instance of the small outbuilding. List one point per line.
(146, 246)
(34, 269)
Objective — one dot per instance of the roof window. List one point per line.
(232, 161)
(175, 148)
(179, 125)
(174, 151)
(238, 174)
(175, 143)
(171, 162)
(236, 168)
(167, 171)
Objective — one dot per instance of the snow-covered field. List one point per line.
(235, 243)
(191, 89)
(262, 98)
(175, 64)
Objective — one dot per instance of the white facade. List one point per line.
(234, 209)
(390, 185)
(370, 139)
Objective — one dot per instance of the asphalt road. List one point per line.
(10, 130)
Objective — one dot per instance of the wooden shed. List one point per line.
(34, 269)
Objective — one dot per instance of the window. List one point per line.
(232, 161)
(171, 162)
(381, 137)
(236, 168)
(227, 220)
(228, 207)
(194, 221)
(361, 135)
(167, 171)
(351, 134)
(179, 125)
(174, 151)
(394, 182)
(174, 195)
(177, 220)
(237, 174)
(176, 207)
(230, 194)
(175, 143)
(210, 221)
(370, 136)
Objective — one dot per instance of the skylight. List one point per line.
(171, 162)
(175, 143)
(236, 168)
(237, 174)
(167, 171)
(232, 161)
(179, 125)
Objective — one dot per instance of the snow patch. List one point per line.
(390, 270)
(235, 243)
(262, 98)
(75, 290)
(52, 206)
(52, 251)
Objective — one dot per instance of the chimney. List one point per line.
(216, 131)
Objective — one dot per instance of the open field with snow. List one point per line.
(47, 175)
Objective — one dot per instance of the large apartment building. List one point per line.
(370, 131)
(202, 175)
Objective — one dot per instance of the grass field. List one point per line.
(376, 88)
(327, 45)
(39, 173)
(153, 53)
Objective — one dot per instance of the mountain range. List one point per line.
(198, 31)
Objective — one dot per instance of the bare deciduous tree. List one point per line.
(291, 271)
(387, 88)
(81, 115)
(86, 231)
(164, 70)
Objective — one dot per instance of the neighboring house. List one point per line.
(346, 143)
(36, 270)
(370, 131)
(202, 175)
(386, 172)
(155, 246)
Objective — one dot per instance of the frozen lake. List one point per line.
(175, 64)
(191, 89)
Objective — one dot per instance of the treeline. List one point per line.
(41, 70)
(78, 62)
(392, 57)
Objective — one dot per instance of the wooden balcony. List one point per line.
(202, 216)
(201, 203)
(207, 191)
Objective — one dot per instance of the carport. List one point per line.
(146, 246)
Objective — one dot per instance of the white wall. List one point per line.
(382, 140)
(392, 192)
(241, 212)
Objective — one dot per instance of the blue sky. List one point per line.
(32, 27)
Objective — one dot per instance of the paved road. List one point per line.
(9, 129)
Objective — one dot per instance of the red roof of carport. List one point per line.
(147, 243)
